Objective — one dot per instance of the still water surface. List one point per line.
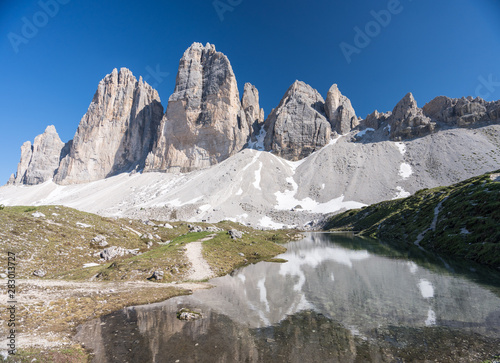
(337, 299)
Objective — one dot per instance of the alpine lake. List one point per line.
(337, 298)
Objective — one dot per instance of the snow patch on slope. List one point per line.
(362, 133)
(405, 170)
(426, 288)
(258, 175)
(177, 203)
(259, 143)
(267, 222)
(402, 147)
(286, 201)
(401, 193)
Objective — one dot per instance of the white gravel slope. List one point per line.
(259, 188)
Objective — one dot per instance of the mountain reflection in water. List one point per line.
(332, 301)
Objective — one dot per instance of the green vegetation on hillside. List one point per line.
(462, 220)
(60, 242)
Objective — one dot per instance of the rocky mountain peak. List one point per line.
(408, 121)
(405, 107)
(339, 111)
(250, 104)
(117, 131)
(304, 93)
(39, 161)
(462, 112)
(298, 126)
(375, 119)
(205, 122)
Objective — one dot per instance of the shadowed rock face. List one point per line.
(462, 112)
(408, 121)
(250, 104)
(116, 133)
(205, 122)
(40, 160)
(375, 119)
(298, 126)
(339, 111)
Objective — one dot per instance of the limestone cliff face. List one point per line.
(205, 122)
(375, 119)
(22, 167)
(254, 116)
(408, 121)
(116, 133)
(462, 112)
(339, 111)
(298, 126)
(40, 160)
(250, 104)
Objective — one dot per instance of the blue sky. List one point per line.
(53, 56)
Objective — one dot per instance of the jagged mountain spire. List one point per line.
(205, 122)
(116, 133)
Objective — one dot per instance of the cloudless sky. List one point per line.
(428, 47)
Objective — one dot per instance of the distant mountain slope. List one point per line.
(206, 122)
(262, 189)
(462, 219)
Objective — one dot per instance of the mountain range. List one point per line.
(212, 154)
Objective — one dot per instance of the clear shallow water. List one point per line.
(336, 299)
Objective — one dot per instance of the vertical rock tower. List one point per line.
(339, 111)
(205, 122)
(116, 133)
(298, 126)
(39, 161)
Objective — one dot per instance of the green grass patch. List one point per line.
(73, 354)
(224, 254)
(277, 260)
(467, 226)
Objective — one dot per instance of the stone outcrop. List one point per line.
(205, 122)
(462, 112)
(22, 167)
(298, 126)
(39, 161)
(339, 111)
(250, 104)
(408, 121)
(376, 119)
(114, 251)
(116, 133)
(254, 116)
